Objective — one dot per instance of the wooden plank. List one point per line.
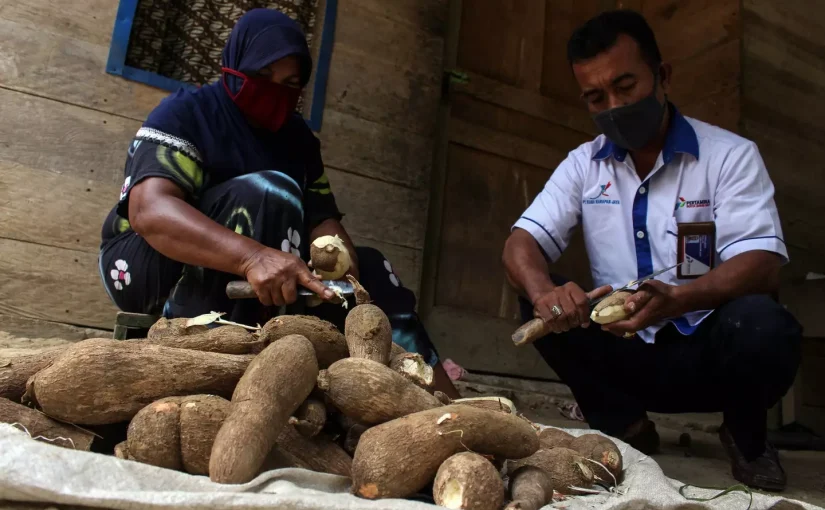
(505, 145)
(383, 93)
(721, 109)
(69, 70)
(382, 39)
(371, 149)
(63, 139)
(90, 20)
(405, 262)
(484, 196)
(482, 343)
(427, 15)
(38, 329)
(562, 18)
(684, 29)
(804, 300)
(498, 118)
(53, 284)
(530, 103)
(513, 55)
(712, 72)
(64, 211)
(800, 18)
(380, 211)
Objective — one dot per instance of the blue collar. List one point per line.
(681, 138)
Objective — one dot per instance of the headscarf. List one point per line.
(228, 145)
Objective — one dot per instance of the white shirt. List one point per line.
(704, 173)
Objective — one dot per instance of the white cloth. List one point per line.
(704, 173)
(31, 471)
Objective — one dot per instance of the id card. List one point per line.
(697, 249)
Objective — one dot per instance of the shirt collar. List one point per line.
(681, 138)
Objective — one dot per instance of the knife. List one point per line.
(243, 290)
(634, 283)
(537, 328)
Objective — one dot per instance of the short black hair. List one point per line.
(600, 33)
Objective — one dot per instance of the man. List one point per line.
(704, 337)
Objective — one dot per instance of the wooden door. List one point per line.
(511, 114)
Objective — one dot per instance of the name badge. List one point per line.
(697, 249)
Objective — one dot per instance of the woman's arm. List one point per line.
(159, 213)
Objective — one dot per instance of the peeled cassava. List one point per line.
(468, 481)
(399, 458)
(611, 309)
(330, 257)
(412, 366)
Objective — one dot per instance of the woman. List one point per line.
(226, 182)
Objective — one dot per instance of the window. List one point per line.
(171, 44)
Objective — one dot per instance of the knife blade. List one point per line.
(243, 290)
(635, 282)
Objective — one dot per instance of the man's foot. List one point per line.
(763, 472)
(642, 436)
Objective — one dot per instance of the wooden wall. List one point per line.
(66, 126)
(783, 111)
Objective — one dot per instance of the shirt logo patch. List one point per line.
(598, 198)
(691, 204)
(602, 192)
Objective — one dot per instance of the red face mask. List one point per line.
(265, 103)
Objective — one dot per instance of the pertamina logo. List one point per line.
(691, 204)
(597, 199)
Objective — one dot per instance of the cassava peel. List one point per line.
(372, 393)
(399, 458)
(277, 381)
(173, 327)
(468, 481)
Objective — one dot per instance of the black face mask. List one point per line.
(632, 126)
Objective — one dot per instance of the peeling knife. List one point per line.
(635, 282)
(243, 290)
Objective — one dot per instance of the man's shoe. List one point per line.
(764, 472)
(644, 438)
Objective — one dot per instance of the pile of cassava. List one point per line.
(231, 403)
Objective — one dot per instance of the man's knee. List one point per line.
(764, 339)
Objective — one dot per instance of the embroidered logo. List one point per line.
(602, 192)
(599, 197)
(292, 243)
(691, 204)
(120, 274)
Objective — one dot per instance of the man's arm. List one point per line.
(525, 266)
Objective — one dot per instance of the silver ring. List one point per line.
(557, 311)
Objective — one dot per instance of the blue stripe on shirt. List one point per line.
(545, 231)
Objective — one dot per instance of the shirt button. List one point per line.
(640, 234)
(642, 190)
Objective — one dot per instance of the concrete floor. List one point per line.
(704, 463)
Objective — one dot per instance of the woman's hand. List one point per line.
(275, 276)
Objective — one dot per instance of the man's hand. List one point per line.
(572, 306)
(652, 303)
(275, 276)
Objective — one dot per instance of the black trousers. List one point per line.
(741, 360)
(267, 207)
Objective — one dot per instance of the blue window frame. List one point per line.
(122, 31)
